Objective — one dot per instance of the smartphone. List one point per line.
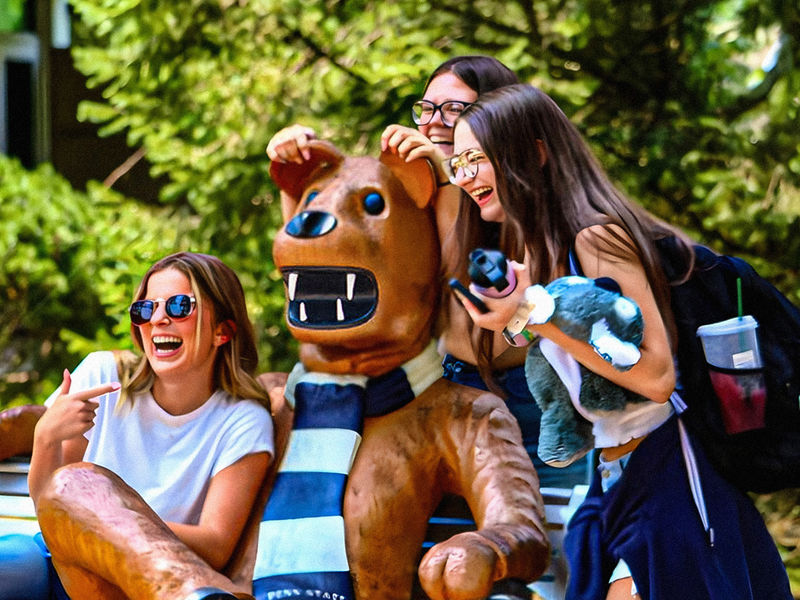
(460, 289)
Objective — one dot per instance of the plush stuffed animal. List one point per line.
(360, 260)
(595, 312)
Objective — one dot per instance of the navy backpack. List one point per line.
(757, 460)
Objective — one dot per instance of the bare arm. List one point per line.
(654, 375)
(290, 144)
(58, 438)
(226, 509)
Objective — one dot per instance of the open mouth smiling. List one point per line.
(329, 297)
(166, 343)
(481, 194)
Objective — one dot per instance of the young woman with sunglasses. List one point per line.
(186, 425)
(471, 357)
(658, 521)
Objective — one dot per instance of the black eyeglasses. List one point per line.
(467, 161)
(178, 306)
(422, 111)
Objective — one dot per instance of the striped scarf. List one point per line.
(301, 543)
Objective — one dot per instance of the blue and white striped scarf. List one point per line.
(301, 545)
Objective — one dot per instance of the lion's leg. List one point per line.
(87, 583)
(104, 538)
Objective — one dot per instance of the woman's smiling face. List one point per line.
(177, 347)
(482, 188)
(442, 88)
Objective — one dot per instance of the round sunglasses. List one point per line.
(178, 306)
(467, 161)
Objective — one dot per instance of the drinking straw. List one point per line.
(742, 342)
(739, 295)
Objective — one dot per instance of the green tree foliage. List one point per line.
(70, 264)
(11, 15)
(692, 105)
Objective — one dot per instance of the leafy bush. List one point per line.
(69, 263)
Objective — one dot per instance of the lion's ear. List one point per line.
(293, 178)
(418, 177)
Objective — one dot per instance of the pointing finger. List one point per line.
(88, 394)
(66, 382)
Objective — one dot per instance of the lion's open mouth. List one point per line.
(329, 297)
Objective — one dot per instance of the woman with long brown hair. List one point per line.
(659, 522)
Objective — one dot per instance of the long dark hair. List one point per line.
(548, 200)
(482, 74)
(217, 288)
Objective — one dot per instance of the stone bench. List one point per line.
(17, 515)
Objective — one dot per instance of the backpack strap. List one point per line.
(677, 401)
(695, 484)
(574, 264)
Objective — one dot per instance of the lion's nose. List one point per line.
(311, 223)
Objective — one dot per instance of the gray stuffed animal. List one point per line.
(593, 311)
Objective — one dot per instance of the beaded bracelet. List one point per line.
(518, 340)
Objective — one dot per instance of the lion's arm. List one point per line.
(490, 468)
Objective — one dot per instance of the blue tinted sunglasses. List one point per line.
(178, 306)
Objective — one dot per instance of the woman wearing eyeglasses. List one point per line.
(185, 425)
(658, 521)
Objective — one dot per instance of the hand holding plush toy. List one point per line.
(595, 312)
(590, 310)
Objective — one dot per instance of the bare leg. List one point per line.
(620, 589)
(107, 543)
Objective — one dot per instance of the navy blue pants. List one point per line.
(649, 519)
(522, 405)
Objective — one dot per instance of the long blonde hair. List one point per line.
(214, 282)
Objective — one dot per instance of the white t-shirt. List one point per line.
(169, 460)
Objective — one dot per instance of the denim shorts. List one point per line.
(524, 408)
